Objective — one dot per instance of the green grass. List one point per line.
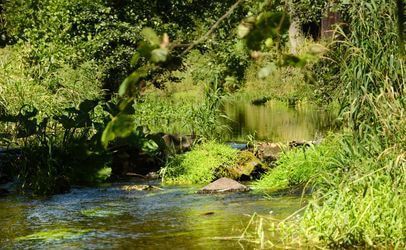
(199, 165)
(359, 198)
(300, 166)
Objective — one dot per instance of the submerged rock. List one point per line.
(223, 185)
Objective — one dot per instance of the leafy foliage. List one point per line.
(48, 142)
(306, 11)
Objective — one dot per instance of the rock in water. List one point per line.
(268, 152)
(248, 167)
(223, 185)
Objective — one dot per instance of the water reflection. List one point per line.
(276, 121)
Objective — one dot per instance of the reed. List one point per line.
(360, 201)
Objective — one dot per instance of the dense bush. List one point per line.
(61, 32)
(65, 87)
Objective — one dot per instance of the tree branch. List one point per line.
(213, 28)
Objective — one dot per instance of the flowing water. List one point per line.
(110, 217)
(277, 122)
(173, 218)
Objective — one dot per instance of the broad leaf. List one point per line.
(150, 35)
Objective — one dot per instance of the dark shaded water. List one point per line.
(109, 217)
(277, 122)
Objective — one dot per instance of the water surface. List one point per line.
(277, 122)
(109, 217)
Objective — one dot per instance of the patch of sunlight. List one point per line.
(99, 212)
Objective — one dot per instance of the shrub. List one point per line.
(64, 88)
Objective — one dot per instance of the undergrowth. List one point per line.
(199, 165)
(300, 166)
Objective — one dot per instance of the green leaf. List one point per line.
(108, 134)
(123, 125)
(120, 126)
(129, 83)
(88, 105)
(123, 87)
(144, 49)
(159, 55)
(149, 146)
(126, 106)
(135, 59)
(243, 30)
(28, 111)
(150, 35)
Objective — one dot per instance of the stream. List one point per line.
(175, 217)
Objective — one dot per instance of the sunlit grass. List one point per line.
(199, 165)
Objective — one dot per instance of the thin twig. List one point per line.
(213, 28)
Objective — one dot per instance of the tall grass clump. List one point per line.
(301, 166)
(361, 203)
(199, 165)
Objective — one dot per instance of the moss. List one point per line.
(247, 166)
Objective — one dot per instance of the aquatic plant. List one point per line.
(55, 234)
(100, 212)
